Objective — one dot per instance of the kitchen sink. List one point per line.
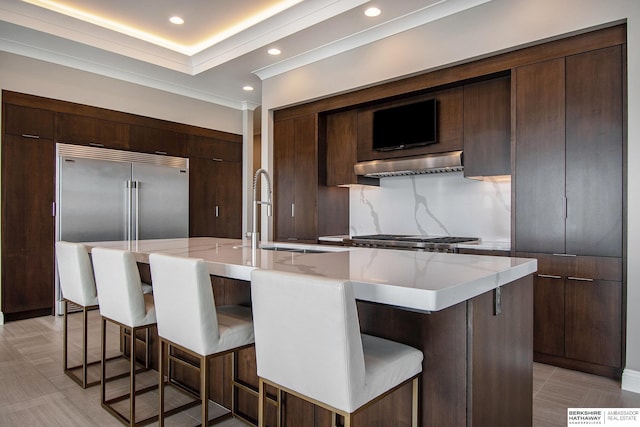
(298, 250)
(301, 249)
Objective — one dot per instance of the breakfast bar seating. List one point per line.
(189, 321)
(308, 343)
(79, 288)
(122, 302)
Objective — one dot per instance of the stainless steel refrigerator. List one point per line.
(105, 194)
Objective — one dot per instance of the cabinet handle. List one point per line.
(293, 209)
(217, 211)
(565, 210)
(564, 255)
(580, 279)
(549, 276)
(28, 135)
(164, 153)
(95, 144)
(215, 159)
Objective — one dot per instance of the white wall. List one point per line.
(486, 29)
(32, 76)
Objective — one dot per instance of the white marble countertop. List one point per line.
(425, 281)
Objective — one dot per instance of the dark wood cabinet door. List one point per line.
(28, 122)
(283, 179)
(594, 114)
(540, 158)
(306, 178)
(487, 128)
(27, 225)
(548, 314)
(342, 146)
(215, 149)
(157, 141)
(215, 198)
(202, 197)
(228, 208)
(594, 321)
(84, 130)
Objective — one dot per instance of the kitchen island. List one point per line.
(470, 315)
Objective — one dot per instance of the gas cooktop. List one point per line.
(415, 242)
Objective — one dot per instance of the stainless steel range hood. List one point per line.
(430, 163)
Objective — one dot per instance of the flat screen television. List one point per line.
(405, 126)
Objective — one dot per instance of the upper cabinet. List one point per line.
(29, 122)
(487, 128)
(157, 141)
(86, 130)
(569, 157)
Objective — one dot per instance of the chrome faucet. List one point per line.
(255, 235)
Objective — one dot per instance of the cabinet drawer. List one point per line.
(157, 141)
(214, 149)
(84, 130)
(577, 267)
(29, 122)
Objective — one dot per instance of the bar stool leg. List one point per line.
(132, 379)
(204, 389)
(84, 346)
(414, 402)
(103, 363)
(161, 383)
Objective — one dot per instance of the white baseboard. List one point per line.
(631, 380)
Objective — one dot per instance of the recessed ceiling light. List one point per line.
(176, 20)
(274, 51)
(372, 12)
(247, 88)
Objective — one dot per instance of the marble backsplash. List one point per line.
(444, 204)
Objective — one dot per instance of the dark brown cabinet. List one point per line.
(295, 177)
(215, 188)
(578, 318)
(569, 201)
(487, 128)
(569, 155)
(342, 147)
(27, 212)
(85, 130)
(157, 141)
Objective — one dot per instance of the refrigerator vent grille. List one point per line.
(69, 150)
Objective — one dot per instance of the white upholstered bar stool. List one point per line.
(122, 302)
(78, 287)
(189, 321)
(308, 343)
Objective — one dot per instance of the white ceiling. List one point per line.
(221, 47)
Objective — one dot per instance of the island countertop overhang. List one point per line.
(424, 281)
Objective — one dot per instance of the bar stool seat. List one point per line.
(189, 321)
(308, 343)
(122, 302)
(78, 287)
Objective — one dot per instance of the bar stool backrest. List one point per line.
(307, 336)
(76, 274)
(119, 287)
(185, 305)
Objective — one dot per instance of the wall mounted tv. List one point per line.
(405, 126)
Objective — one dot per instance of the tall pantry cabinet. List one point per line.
(569, 205)
(28, 194)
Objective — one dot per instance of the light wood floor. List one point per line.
(35, 392)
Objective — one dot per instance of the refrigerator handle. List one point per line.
(128, 185)
(136, 186)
